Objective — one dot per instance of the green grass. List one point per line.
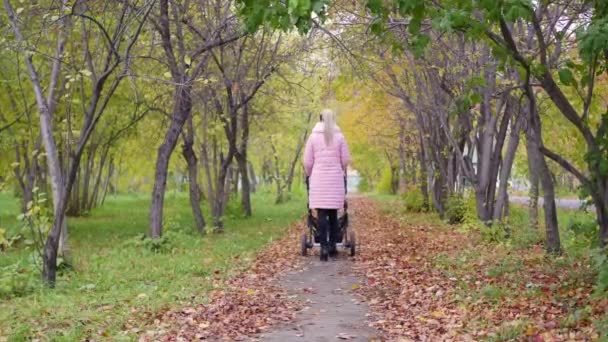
(509, 331)
(9, 206)
(116, 283)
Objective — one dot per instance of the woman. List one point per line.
(325, 159)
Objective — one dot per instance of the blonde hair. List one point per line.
(329, 125)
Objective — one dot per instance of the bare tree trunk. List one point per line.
(425, 174)
(535, 136)
(46, 130)
(394, 180)
(182, 111)
(223, 180)
(190, 157)
(102, 163)
(551, 224)
(241, 158)
(245, 184)
(234, 185)
(253, 178)
(298, 152)
(502, 202)
(86, 182)
(602, 219)
(402, 163)
(73, 197)
(107, 181)
(533, 174)
(277, 175)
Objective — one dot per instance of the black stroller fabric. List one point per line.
(342, 219)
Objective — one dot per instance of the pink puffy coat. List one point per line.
(326, 167)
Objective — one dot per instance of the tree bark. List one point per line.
(86, 182)
(602, 219)
(425, 175)
(534, 179)
(298, 152)
(49, 270)
(194, 190)
(182, 111)
(102, 163)
(107, 181)
(402, 162)
(277, 176)
(245, 184)
(553, 245)
(252, 177)
(502, 202)
(241, 158)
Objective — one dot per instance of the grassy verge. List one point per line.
(500, 279)
(118, 284)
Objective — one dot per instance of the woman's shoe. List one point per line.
(324, 254)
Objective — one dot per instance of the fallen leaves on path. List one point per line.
(245, 305)
(422, 282)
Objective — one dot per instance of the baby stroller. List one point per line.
(344, 238)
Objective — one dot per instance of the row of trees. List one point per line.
(86, 81)
(473, 78)
(460, 83)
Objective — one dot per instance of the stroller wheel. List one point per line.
(352, 242)
(304, 244)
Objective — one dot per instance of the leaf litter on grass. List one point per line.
(412, 298)
(245, 305)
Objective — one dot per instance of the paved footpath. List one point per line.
(331, 312)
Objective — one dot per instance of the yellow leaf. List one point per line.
(436, 314)
(530, 331)
(250, 292)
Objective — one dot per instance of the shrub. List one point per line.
(584, 227)
(36, 221)
(234, 209)
(363, 185)
(455, 209)
(385, 184)
(164, 244)
(16, 280)
(4, 243)
(600, 260)
(174, 224)
(414, 200)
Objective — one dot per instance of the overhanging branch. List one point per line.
(565, 164)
